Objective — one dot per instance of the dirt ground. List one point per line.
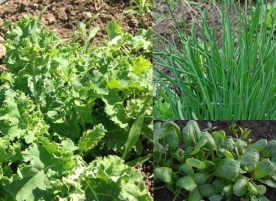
(259, 130)
(64, 17)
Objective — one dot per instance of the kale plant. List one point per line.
(72, 115)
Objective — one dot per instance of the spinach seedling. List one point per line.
(213, 165)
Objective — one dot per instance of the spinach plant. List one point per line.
(73, 115)
(212, 165)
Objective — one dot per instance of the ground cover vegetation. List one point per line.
(211, 165)
(74, 118)
(198, 76)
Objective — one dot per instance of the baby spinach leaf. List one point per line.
(215, 198)
(228, 190)
(228, 168)
(172, 139)
(219, 137)
(263, 168)
(240, 186)
(195, 163)
(211, 144)
(207, 190)
(189, 133)
(170, 125)
(229, 144)
(270, 149)
(241, 145)
(200, 178)
(268, 181)
(249, 160)
(164, 174)
(252, 188)
(225, 153)
(194, 195)
(218, 185)
(186, 169)
(186, 182)
(198, 146)
(259, 145)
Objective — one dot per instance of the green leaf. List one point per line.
(270, 149)
(218, 185)
(241, 145)
(228, 190)
(164, 174)
(225, 153)
(199, 145)
(249, 160)
(262, 198)
(215, 198)
(134, 134)
(210, 166)
(91, 138)
(186, 168)
(1, 172)
(139, 161)
(113, 30)
(228, 168)
(229, 144)
(190, 132)
(123, 182)
(186, 182)
(259, 145)
(194, 195)
(195, 163)
(211, 144)
(200, 178)
(100, 83)
(172, 140)
(207, 190)
(170, 125)
(263, 168)
(240, 186)
(23, 188)
(69, 145)
(251, 188)
(268, 181)
(261, 189)
(219, 137)
(140, 66)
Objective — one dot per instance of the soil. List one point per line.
(191, 12)
(259, 130)
(64, 17)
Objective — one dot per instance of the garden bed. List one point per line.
(84, 124)
(259, 130)
(208, 57)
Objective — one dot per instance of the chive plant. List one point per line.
(232, 80)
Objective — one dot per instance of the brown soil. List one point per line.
(64, 17)
(259, 130)
(191, 12)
